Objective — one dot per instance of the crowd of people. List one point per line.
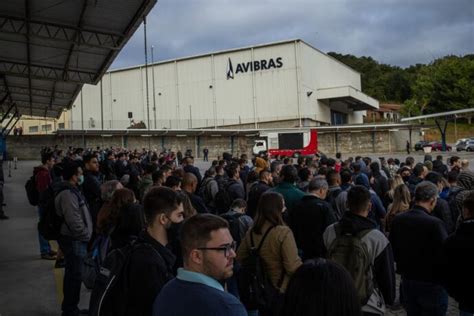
(262, 236)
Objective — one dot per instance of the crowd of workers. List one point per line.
(329, 234)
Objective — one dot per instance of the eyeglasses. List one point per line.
(226, 248)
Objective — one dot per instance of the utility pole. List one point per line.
(153, 84)
(146, 76)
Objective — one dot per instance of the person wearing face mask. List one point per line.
(151, 267)
(417, 239)
(75, 234)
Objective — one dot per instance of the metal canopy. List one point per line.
(355, 99)
(50, 48)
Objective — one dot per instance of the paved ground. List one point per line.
(31, 286)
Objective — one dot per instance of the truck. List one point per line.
(288, 144)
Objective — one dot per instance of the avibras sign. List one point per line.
(256, 65)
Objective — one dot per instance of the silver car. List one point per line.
(469, 146)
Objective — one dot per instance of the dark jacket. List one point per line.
(235, 189)
(120, 168)
(308, 221)
(412, 183)
(128, 227)
(195, 171)
(254, 196)
(382, 260)
(443, 212)
(91, 189)
(380, 186)
(457, 265)
(417, 239)
(197, 202)
(150, 269)
(108, 169)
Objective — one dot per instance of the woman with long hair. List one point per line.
(110, 211)
(393, 182)
(277, 245)
(321, 287)
(400, 204)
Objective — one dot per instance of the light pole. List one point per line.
(146, 76)
(153, 84)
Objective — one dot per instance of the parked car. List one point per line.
(438, 146)
(461, 145)
(422, 143)
(469, 146)
(463, 140)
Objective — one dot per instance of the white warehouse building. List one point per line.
(281, 84)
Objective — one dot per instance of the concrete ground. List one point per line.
(31, 286)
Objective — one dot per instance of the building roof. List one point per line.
(232, 50)
(390, 106)
(219, 132)
(50, 48)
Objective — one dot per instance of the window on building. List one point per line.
(338, 118)
(46, 128)
(33, 129)
(61, 125)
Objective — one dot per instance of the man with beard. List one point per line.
(91, 186)
(151, 263)
(208, 253)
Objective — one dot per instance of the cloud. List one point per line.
(397, 32)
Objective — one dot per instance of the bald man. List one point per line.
(189, 186)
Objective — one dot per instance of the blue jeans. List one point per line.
(45, 248)
(423, 298)
(74, 254)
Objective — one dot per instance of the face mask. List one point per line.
(81, 179)
(173, 230)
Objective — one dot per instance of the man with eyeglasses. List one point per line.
(208, 255)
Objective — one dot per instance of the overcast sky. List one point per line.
(397, 32)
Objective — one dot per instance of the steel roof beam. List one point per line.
(71, 50)
(37, 92)
(10, 121)
(25, 104)
(28, 52)
(140, 14)
(6, 113)
(7, 90)
(45, 72)
(10, 130)
(61, 33)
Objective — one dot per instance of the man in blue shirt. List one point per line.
(208, 255)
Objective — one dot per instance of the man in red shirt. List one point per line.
(43, 181)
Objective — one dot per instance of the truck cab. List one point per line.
(259, 147)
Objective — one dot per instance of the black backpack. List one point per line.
(255, 288)
(111, 288)
(31, 191)
(234, 225)
(222, 200)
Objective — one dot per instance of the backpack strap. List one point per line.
(263, 239)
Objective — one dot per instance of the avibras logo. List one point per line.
(253, 66)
